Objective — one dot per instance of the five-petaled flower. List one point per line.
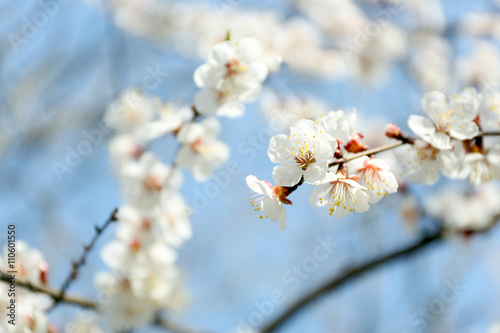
(375, 174)
(304, 153)
(343, 195)
(232, 75)
(449, 120)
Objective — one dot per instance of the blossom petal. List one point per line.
(421, 126)
(435, 104)
(315, 173)
(278, 150)
(271, 207)
(287, 174)
(320, 196)
(464, 130)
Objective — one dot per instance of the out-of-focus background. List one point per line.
(63, 62)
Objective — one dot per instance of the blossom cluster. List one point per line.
(154, 221)
(335, 39)
(450, 139)
(30, 312)
(320, 152)
(328, 153)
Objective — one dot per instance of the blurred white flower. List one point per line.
(482, 68)
(172, 218)
(453, 120)
(143, 180)
(28, 262)
(480, 168)
(130, 112)
(232, 75)
(423, 162)
(123, 310)
(200, 150)
(463, 212)
(430, 61)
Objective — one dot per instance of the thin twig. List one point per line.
(173, 327)
(73, 274)
(54, 294)
(367, 153)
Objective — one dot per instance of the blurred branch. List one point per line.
(77, 264)
(172, 327)
(356, 272)
(54, 294)
(353, 273)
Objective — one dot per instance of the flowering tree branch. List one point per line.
(357, 272)
(54, 294)
(75, 300)
(73, 274)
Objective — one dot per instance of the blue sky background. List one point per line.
(79, 61)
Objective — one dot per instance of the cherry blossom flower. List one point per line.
(423, 162)
(130, 257)
(465, 211)
(480, 168)
(171, 118)
(269, 199)
(342, 195)
(375, 174)
(123, 311)
(124, 148)
(130, 112)
(172, 218)
(143, 180)
(304, 153)
(200, 149)
(449, 120)
(232, 75)
(336, 124)
(30, 264)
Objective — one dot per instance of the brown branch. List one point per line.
(73, 274)
(173, 327)
(489, 134)
(55, 295)
(367, 153)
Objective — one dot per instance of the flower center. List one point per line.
(234, 67)
(305, 159)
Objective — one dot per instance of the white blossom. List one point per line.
(304, 153)
(123, 310)
(232, 75)
(143, 180)
(200, 150)
(136, 256)
(29, 263)
(342, 195)
(376, 175)
(130, 112)
(449, 120)
(480, 168)
(269, 199)
(172, 218)
(465, 211)
(423, 162)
